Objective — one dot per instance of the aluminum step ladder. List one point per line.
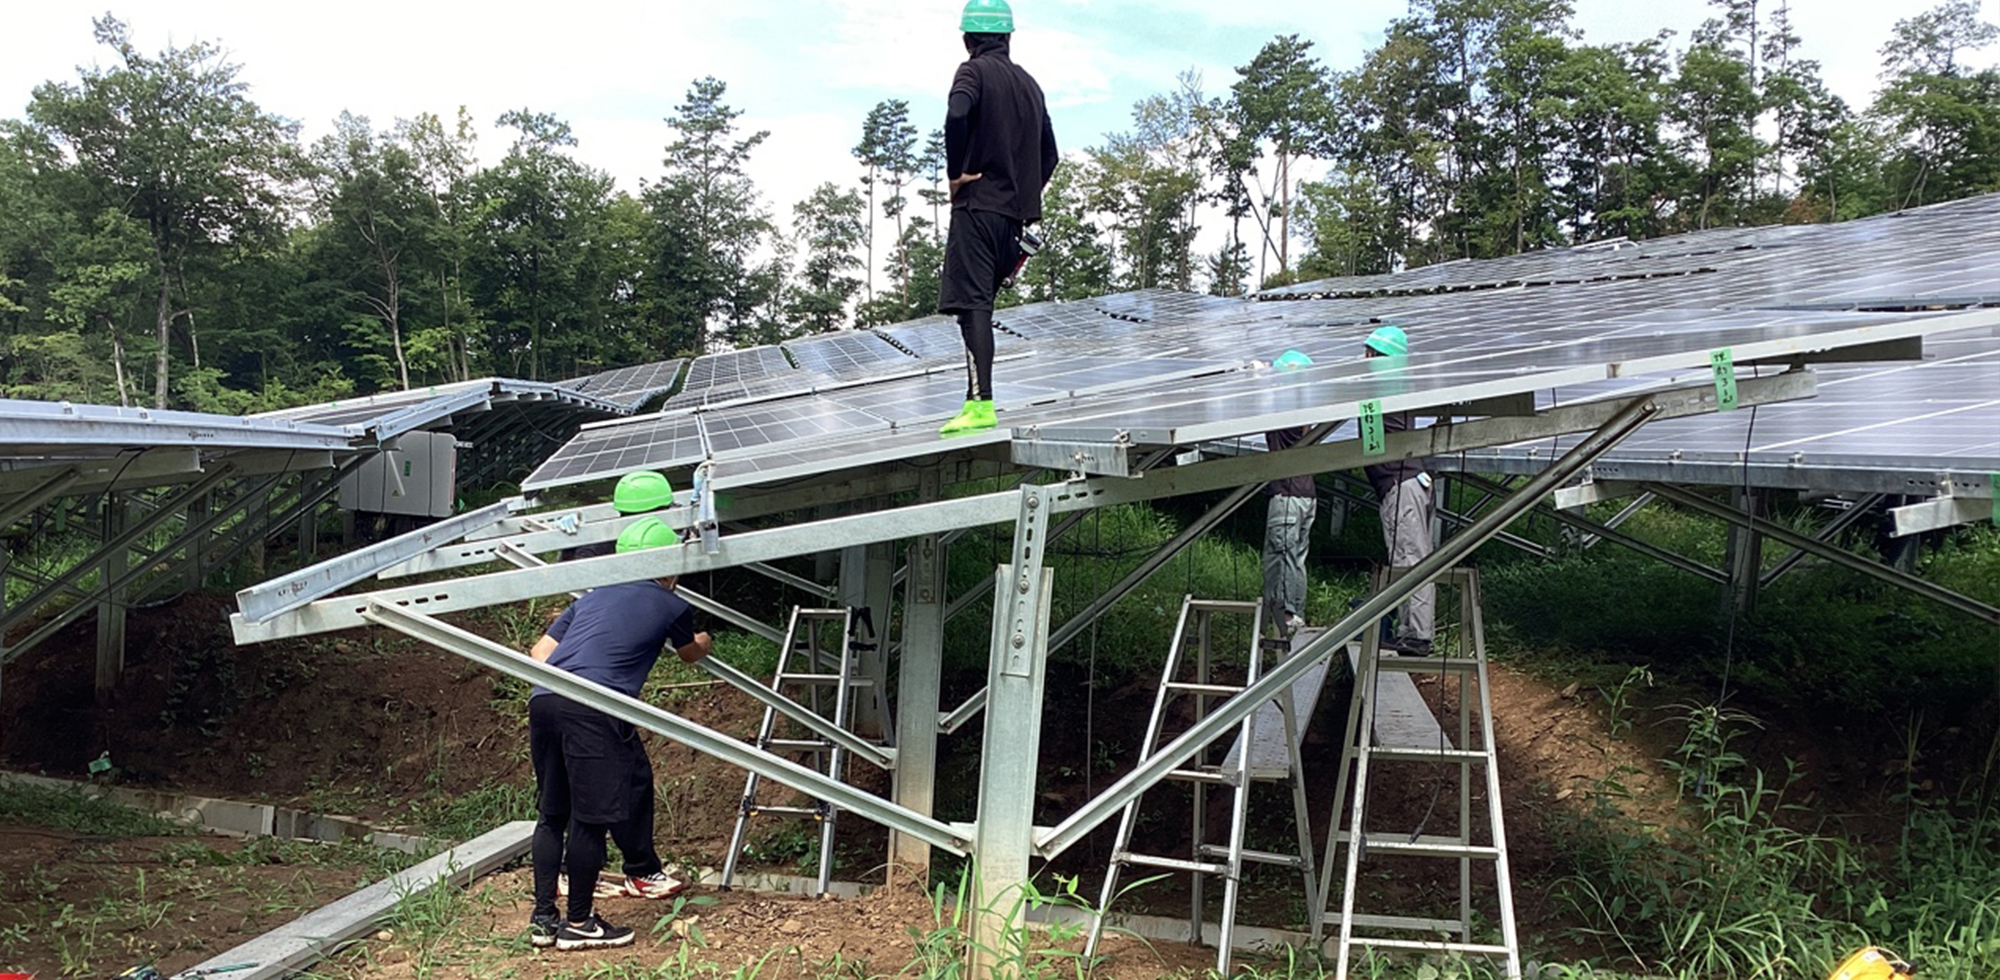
(1274, 757)
(1419, 749)
(816, 667)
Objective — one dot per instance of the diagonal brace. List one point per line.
(1280, 678)
(1839, 556)
(704, 740)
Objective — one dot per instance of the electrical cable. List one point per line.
(1729, 634)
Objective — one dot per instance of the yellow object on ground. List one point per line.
(1873, 963)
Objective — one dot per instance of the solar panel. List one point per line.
(937, 338)
(629, 385)
(848, 354)
(1942, 413)
(654, 442)
(352, 411)
(1177, 368)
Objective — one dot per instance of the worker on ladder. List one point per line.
(1289, 509)
(1403, 488)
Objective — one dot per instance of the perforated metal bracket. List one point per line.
(1112, 457)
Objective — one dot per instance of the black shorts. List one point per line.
(585, 761)
(979, 251)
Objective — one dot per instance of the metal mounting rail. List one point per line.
(267, 599)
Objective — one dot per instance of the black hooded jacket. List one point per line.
(998, 126)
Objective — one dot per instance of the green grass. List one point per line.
(74, 810)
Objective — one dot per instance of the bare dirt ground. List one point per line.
(879, 933)
(363, 723)
(81, 905)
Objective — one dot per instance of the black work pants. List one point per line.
(587, 785)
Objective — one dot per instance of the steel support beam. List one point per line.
(869, 752)
(265, 600)
(1646, 548)
(133, 570)
(704, 740)
(1744, 552)
(1279, 679)
(1188, 535)
(919, 675)
(111, 601)
(1003, 839)
(1937, 514)
(1625, 513)
(49, 489)
(944, 515)
(132, 531)
(799, 582)
(1827, 534)
(1839, 556)
(1593, 491)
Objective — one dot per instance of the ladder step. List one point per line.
(1425, 846)
(1410, 923)
(1216, 776)
(823, 679)
(1223, 605)
(795, 811)
(1170, 864)
(799, 744)
(1221, 689)
(1471, 949)
(1260, 857)
(1428, 665)
(1398, 753)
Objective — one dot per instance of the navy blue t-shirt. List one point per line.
(613, 635)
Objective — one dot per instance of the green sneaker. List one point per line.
(975, 416)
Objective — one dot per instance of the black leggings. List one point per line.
(585, 849)
(976, 328)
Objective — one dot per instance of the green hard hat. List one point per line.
(987, 17)
(640, 491)
(646, 532)
(1291, 360)
(1389, 339)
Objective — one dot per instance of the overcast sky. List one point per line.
(805, 71)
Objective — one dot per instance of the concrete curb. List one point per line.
(235, 818)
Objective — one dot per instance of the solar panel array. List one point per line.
(1169, 368)
(629, 386)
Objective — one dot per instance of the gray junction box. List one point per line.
(418, 478)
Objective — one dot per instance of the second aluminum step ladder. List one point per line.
(816, 667)
(1382, 728)
(1242, 765)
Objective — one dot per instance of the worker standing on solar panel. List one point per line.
(1404, 490)
(1000, 151)
(1288, 521)
(637, 492)
(584, 760)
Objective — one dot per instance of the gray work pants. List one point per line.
(1288, 525)
(1406, 531)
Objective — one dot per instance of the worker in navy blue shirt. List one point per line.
(636, 493)
(587, 763)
